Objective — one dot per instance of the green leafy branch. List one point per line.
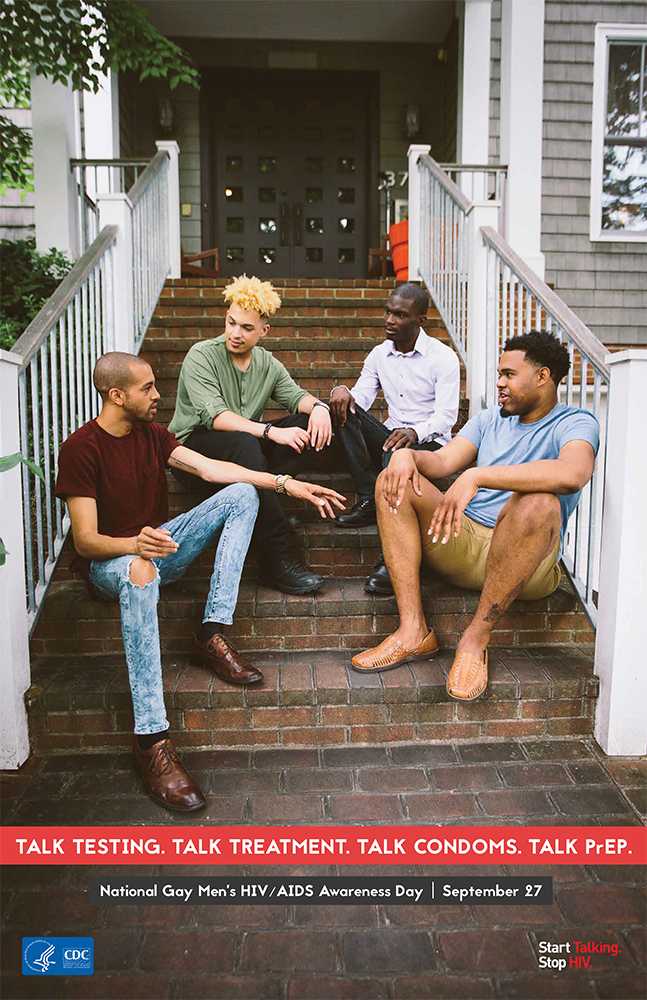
(10, 462)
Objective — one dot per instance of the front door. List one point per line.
(289, 177)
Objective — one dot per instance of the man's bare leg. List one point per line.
(525, 533)
(400, 535)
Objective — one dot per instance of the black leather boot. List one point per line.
(289, 576)
(359, 516)
(379, 582)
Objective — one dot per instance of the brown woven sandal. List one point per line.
(470, 669)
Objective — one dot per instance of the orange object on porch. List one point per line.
(399, 241)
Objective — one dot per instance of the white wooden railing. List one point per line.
(46, 392)
(486, 293)
(100, 175)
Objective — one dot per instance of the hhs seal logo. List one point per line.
(58, 956)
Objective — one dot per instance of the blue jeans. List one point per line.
(232, 512)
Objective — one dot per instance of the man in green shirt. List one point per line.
(225, 385)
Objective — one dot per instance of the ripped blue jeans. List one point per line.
(230, 512)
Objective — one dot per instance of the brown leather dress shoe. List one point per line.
(165, 779)
(391, 653)
(226, 662)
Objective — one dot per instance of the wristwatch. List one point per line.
(281, 480)
(320, 402)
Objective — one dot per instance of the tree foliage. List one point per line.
(69, 41)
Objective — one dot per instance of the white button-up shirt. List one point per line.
(421, 387)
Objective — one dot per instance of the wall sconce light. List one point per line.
(165, 111)
(412, 120)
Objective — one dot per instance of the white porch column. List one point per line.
(173, 210)
(620, 716)
(116, 210)
(101, 124)
(522, 81)
(415, 210)
(473, 127)
(14, 634)
(56, 138)
(482, 214)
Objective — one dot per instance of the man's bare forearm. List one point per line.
(230, 421)
(432, 464)
(545, 476)
(213, 470)
(96, 546)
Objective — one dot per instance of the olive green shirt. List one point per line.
(209, 384)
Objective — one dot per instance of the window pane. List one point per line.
(623, 100)
(234, 193)
(346, 225)
(346, 195)
(624, 188)
(345, 255)
(314, 164)
(267, 164)
(314, 255)
(235, 224)
(267, 255)
(346, 164)
(315, 226)
(266, 225)
(235, 255)
(313, 195)
(267, 194)
(234, 163)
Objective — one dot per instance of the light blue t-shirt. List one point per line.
(506, 441)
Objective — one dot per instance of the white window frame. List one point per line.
(605, 33)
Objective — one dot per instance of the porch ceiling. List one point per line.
(317, 20)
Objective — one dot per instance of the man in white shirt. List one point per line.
(419, 377)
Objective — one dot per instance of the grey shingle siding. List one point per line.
(605, 283)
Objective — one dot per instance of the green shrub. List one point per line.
(27, 279)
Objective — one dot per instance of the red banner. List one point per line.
(323, 845)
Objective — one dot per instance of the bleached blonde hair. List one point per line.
(253, 295)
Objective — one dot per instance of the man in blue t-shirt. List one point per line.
(500, 526)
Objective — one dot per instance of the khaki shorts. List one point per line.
(462, 561)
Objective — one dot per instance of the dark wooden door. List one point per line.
(289, 183)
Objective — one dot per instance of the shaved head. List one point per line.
(117, 370)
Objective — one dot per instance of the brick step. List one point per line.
(314, 699)
(213, 305)
(319, 284)
(341, 616)
(333, 326)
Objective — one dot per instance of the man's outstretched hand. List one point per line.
(448, 515)
(401, 470)
(324, 499)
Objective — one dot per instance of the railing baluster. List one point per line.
(44, 393)
(54, 341)
(35, 454)
(26, 493)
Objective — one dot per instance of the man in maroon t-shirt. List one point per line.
(111, 472)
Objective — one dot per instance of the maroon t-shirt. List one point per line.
(125, 475)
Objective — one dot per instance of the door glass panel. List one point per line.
(267, 194)
(315, 226)
(346, 225)
(234, 163)
(314, 255)
(314, 164)
(267, 255)
(313, 195)
(267, 225)
(346, 195)
(345, 135)
(265, 132)
(267, 164)
(312, 134)
(235, 224)
(346, 255)
(234, 193)
(346, 164)
(235, 255)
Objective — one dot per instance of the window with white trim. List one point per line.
(619, 146)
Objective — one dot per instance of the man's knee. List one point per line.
(536, 509)
(142, 571)
(245, 497)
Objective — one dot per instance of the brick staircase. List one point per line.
(542, 681)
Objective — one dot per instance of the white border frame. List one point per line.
(604, 33)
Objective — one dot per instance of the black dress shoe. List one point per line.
(359, 516)
(379, 582)
(290, 577)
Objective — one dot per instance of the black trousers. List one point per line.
(362, 439)
(273, 537)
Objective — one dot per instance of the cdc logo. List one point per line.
(58, 956)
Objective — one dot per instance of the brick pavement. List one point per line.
(326, 952)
